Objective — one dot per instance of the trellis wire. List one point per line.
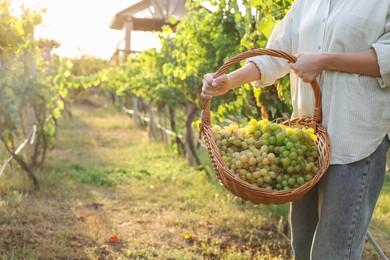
(376, 246)
(31, 137)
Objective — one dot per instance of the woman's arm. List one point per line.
(224, 83)
(310, 65)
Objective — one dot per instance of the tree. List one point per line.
(17, 76)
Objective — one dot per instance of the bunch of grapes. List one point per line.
(269, 155)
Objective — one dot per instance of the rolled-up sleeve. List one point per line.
(272, 68)
(382, 49)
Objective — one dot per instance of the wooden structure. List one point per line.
(146, 15)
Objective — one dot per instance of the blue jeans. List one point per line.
(330, 222)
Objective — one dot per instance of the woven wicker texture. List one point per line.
(243, 189)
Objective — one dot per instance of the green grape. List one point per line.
(308, 177)
(298, 145)
(282, 149)
(257, 134)
(242, 172)
(239, 164)
(267, 178)
(293, 139)
(291, 181)
(274, 126)
(252, 161)
(300, 180)
(280, 137)
(293, 163)
(272, 140)
(267, 128)
(290, 169)
(256, 174)
(289, 131)
(289, 145)
(308, 167)
(293, 155)
(251, 141)
(297, 168)
(260, 181)
(263, 172)
(265, 161)
(256, 152)
(286, 154)
(259, 159)
(264, 149)
(274, 167)
(271, 157)
(286, 162)
(300, 134)
(244, 158)
(265, 136)
(272, 174)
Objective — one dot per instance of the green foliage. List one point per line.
(267, 14)
(16, 68)
(203, 41)
(34, 84)
(273, 104)
(87, 65)
(88, 175)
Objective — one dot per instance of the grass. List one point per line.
(107, 192)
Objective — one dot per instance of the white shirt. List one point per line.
(356, 108)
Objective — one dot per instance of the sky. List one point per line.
(82, 26)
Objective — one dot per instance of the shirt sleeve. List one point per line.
(273, 68)
(382, 49)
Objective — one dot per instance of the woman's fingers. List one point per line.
(206, 92)
(299, 73)
(308, 66)
(211, 86)
(208, 78)
(207, 88)
(219, 81)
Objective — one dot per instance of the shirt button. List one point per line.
(323, 20)
(319, 47)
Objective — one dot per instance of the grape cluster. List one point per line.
(269, 155)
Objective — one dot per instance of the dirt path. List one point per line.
(101, 199)
(82, 210)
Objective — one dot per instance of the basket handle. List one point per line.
(317, 116)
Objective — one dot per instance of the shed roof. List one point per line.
(149, 15)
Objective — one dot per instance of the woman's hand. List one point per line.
(308, 66)
(214, 87)
(222, 84)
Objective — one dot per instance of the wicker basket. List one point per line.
(243, 189)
